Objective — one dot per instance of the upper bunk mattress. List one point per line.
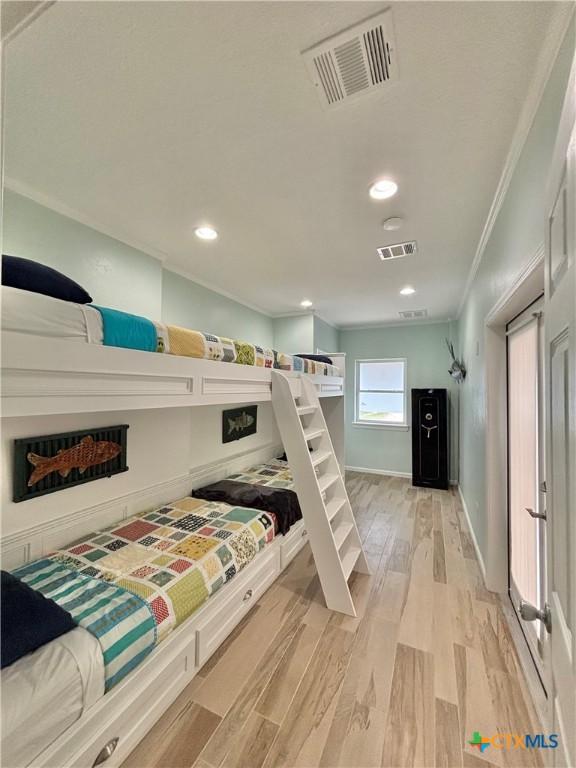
(46, 691)
(39, 315)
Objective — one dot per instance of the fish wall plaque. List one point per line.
(239, 422)
(53, 462)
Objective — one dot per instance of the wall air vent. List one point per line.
(397, 251)
(413, 314)
(354, 62)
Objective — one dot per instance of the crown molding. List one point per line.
(27, 18)
(296, 313)
(405, 324)
(169, 267)
(47, 201)
(328, 322)
(52, 204)
(545, 62)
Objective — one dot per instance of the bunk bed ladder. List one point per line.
(334, 538)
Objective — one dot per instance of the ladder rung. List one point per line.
(341, 533)
(319, 456)
(310, 434)
(349, 561)
(305, 410)
(325, 481)
(333, 507)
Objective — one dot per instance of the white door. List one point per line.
(560, 370)
(526, 503)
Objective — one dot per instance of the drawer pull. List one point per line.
(106, 752)
(248, 595)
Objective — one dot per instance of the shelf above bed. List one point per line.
(42, 376)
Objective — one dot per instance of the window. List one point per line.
(381, 392)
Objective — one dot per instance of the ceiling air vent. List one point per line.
(397, 251)
(354, 62)
(413, 314)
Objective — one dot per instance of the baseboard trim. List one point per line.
(473, 535)
(370, 471)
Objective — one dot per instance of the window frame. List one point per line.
(380, 424)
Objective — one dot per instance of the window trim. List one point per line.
(380, 424)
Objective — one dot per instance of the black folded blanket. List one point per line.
(29, 620)
(281, 501)
(317, 358)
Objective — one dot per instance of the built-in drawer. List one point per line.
(252, 583)
(293, 543)
(110, 743)
(121, 718)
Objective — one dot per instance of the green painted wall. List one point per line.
(294, 334)
(191, 305)
(326, 337)
(122, 277)
(424, 347)
(114, 274)
(518, 232)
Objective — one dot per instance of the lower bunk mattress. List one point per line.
(47, 691)
(127, 587)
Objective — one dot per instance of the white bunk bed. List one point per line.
(43, 377)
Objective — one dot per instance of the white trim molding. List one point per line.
(527, 286)
(545, 62)
(370, 471)
(473, 535)
(404, 392)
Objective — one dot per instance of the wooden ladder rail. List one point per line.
(334, 538)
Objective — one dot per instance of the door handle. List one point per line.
(529, 612)
(536, 515)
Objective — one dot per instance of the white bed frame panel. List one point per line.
(51, 376)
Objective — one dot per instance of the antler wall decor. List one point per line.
(457, 370)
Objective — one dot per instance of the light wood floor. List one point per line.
(428, 661)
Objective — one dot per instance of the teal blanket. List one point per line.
(122, 622)
(129, 331)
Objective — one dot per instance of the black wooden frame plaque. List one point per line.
(52, 450)
(239, 422)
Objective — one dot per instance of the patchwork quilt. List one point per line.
(130, 331)
(274, 474)
(167, 562)
(174, 557)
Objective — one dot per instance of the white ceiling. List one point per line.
(150, 118)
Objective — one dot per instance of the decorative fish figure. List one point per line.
(87, 453)
(240, 422)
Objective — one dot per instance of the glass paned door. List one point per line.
(525, 462)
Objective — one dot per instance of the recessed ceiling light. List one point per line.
(383, 188)
(392, 224)
(306, 303)
(206, 233)
(407, 290)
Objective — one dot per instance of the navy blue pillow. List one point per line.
(38, 278)
(29, 620)
(317, 358)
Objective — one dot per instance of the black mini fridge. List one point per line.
(430, 438)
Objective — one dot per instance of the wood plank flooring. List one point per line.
(427, 662)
